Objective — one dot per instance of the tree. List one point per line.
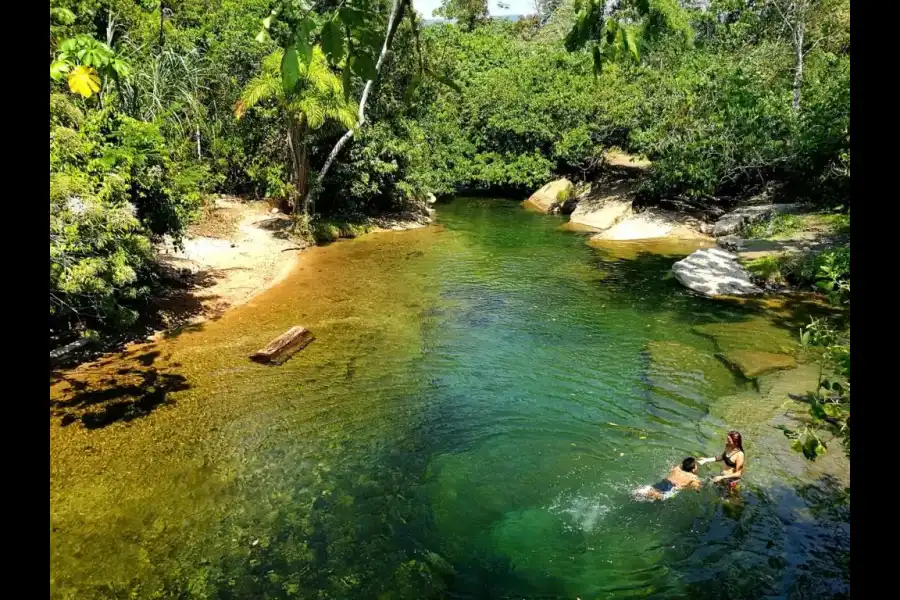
(544, 9)
(615, 30)
(83, 61)
(348, 31)
(467, 12)
(393, 21)
(808, 23)
(309, 94)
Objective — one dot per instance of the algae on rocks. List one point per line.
(752, 364)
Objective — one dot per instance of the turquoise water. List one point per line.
(480, 401)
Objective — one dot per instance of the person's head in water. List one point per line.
(734, 440)
(689, 464)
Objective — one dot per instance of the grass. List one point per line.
(796, 269)
(838, 223)
(773, 270)
(782, 226)
(778, 225)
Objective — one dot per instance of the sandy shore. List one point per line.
(239, 249)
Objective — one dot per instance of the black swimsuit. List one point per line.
(728, 461)
(664, 486)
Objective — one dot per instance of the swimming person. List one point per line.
(679, 477)
(733, 459)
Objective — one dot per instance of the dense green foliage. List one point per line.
(829, 339)
(146, 94)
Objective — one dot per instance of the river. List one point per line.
(482, 396)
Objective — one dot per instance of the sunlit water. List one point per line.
(480, 401)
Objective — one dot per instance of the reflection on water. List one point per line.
(481, 399)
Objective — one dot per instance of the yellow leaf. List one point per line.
(84, 80)
(240, 107)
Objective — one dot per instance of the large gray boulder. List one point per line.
(714, 272)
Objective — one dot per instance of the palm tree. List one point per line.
(317, 96)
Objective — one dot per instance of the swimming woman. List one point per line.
(679, 477)
(733, 459)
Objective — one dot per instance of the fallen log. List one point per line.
(284, 346)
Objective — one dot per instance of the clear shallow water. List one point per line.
(480, 401)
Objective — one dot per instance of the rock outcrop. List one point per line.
(548, 198)
(602, 212)
(648, 225)
(714, 272)
(733, 222)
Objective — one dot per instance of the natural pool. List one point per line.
(480, 400)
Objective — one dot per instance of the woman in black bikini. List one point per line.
(733, 457)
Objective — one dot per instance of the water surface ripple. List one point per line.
(481, 399)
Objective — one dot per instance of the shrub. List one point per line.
(778, 225)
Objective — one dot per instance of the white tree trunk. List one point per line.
(361, 118)
(110, 28)
(798, 69)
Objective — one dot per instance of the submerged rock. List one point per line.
(752, 364)
(714, 272)
(756, 334)
(686, 372)
(547, 199)
(631, 249)
(439, 563)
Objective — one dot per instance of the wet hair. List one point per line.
(689, 464)
(736, 438)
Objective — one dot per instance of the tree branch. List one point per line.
(393, 20)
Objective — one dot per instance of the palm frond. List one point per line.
(272, 63)
(318, 74)
(312, 108)
(345, 115)
(264, 86)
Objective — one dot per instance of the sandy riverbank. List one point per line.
(236, 251)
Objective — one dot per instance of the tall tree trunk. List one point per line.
(798, 69)
(303, 180)
(300, 163)
(393, 22)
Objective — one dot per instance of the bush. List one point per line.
(528, 110)
(98, 255)
(114, 188)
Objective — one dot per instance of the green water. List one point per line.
(481, 399)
